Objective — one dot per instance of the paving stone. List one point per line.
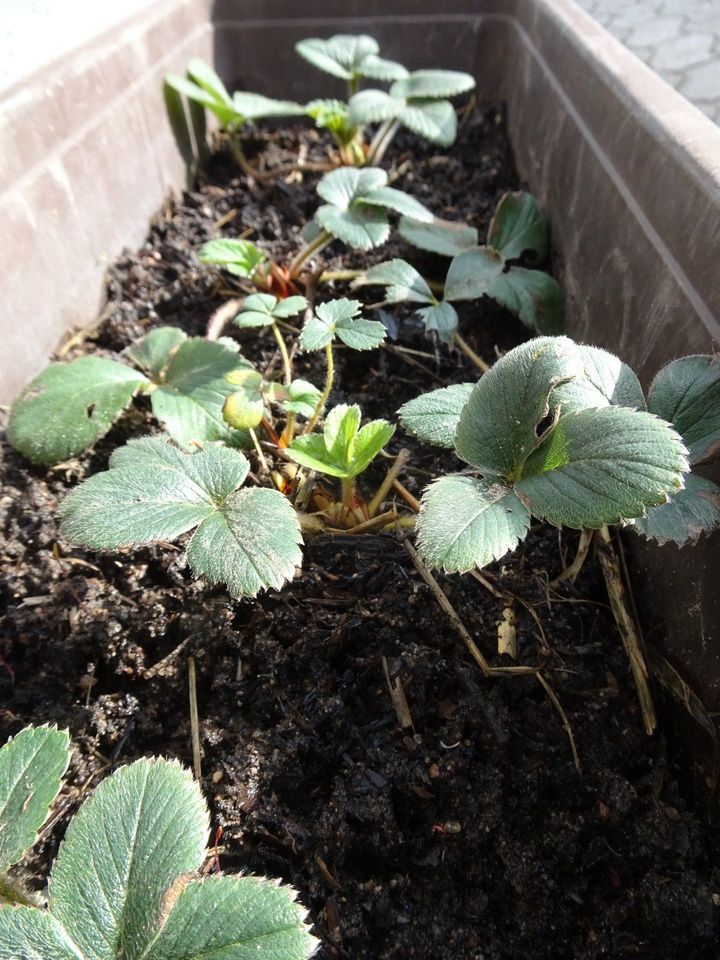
(703, 82)
(681, 52)
(655, 30)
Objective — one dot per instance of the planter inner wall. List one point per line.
(628, 171)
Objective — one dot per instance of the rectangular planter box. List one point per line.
(628, 171)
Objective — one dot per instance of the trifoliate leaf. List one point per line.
(152, 491)
(341, 56)
(339, 318)
(250, 543)
(445, 237)
(69, 406)
(234, 918)
(153, 351)
(332, 115)
(189, 403)
(302, 398)
(504, 417)
(402, 282)
(441, 318)
(361, 227)
(433, 417)
(290, 307)
(435, 120)
(686, 393)
(32, 765)
(239, 257)
(471, 273)
(605, 381)
(690, 512)
(396, 200)
(466, 523)
(343, 450)
(254, 106)
(519, 227)
(432, 84)
(531, 295)
(378, 68)
(140, 830)
(257, 311)
(374, 106)
(602, 466)
(344, 186)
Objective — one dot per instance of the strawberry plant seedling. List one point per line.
(127, 881)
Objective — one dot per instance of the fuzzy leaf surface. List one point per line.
(341, 56)
(374, 106)
(234, 918)
(391, 199)
(435, 120)
(432, 84)
(69, 406)
(239, 257)
(605, 380)
(445, 237)
(263, 309)
(402, 281)
(27, 933)
(152, 491)
(466, 523)
(250, 543)
(361, 227)
(686, 393)
(141, 828)
(533, 296)
(498, 428)
(471, 273)
(602, 466)
(433, 417)
(32, 765)
(153, 351)
(690, 512)
(339, 318)
(189, 403)
(344, 186)
(519, 227)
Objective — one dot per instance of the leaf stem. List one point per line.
(329, 377)
(320, 241)
(348, 492)
(287, 368)
(470, 353)
(259, 451)
(390, 477)
(327, 275)
(382, 140)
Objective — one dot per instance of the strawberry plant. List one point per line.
(128, 879)
(518, 233)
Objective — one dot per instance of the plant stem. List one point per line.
(348, 492)
(259, 451)
(247, 168)
(287, 369)
(381, 141)
(353, 84)
(194, 721)
(390, 477)
(320, 241)
(470, 353)
(327, 275)
(329, 377)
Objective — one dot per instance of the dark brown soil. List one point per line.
(469, 836)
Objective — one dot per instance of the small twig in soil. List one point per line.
(87, 331)
(161, 664)
(470, 353)
(563, 716)
(411, 361)
(398, 699)
(194, 720)
(409, 499)
(571, 572)
(390, 477)
(626, 624)
(220, 317)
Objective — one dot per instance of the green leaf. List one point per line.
(302, 398)
(332, 115)
(397, 200)
(141, 828)
(445, 237)
(503, 419)
(234, 918)
(344, 186)
(69, 406)
(244, 409)
(519, 227)
(378, 68)
(360, 228)
(686, 393)
(402, 282)
(32, 765)
(466, 523)
(207, 89)
(152, 491)
(433, 417)
(263, 309)
(471, 273)
(374, 106)
(338, 318)
(440, 317)
(343, 450)
(204, 75)
(250, 543)
(432, 84)
(602, 466)
(254, 106)
(531, 295)
(27, 933)
(290, 307)
(349, 56)
(605, 380)
(690, 512)
(433, 119)
(153, 351)
(239, 257)
(189, 403)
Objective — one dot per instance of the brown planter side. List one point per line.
(627, 169)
